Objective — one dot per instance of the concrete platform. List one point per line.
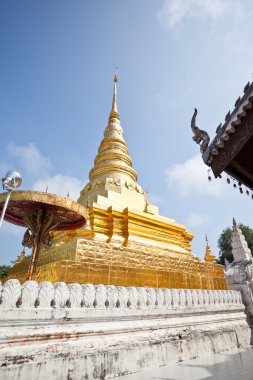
(72, 331)
(232, 365)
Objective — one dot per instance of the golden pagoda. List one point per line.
(125, 241)
(21, 257)
(209, 257)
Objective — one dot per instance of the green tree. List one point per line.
(224, 243)
(4, 270)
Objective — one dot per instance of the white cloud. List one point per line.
(196, 220)
(39, 167)
(174, 13)
(60, 184)
(30, 159)
(190, 177)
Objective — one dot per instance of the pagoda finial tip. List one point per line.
(116, 75)
(114, 111)
(208, 255)
(234, 222)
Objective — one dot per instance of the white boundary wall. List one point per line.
(90, 331)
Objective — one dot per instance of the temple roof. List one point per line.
(231, 149)
(232, 122)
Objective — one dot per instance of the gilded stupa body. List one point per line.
(125, 241)
(113, 180)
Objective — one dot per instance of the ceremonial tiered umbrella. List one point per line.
(41, 213)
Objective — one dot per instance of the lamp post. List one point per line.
(10, 182)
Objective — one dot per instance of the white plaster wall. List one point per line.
(96, 332)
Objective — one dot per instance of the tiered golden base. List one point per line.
(87, 261)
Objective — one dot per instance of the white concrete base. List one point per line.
(102, 340)
(230, 365)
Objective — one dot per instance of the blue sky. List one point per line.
(57, 61)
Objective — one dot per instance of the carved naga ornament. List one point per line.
(33, 219)
(200, 137)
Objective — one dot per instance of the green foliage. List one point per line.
(4, 270)
(224, 243)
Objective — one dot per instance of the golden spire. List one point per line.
(112, 160)
(209, 256)
(21, 257)
(114, 111)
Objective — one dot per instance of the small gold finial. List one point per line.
(147, 207)
(21, 257)
(46, 191)
(208, 256)
(114, 111)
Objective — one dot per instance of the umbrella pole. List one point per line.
(36, 245)
(5, 207)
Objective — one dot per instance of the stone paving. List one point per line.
(232, 365)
